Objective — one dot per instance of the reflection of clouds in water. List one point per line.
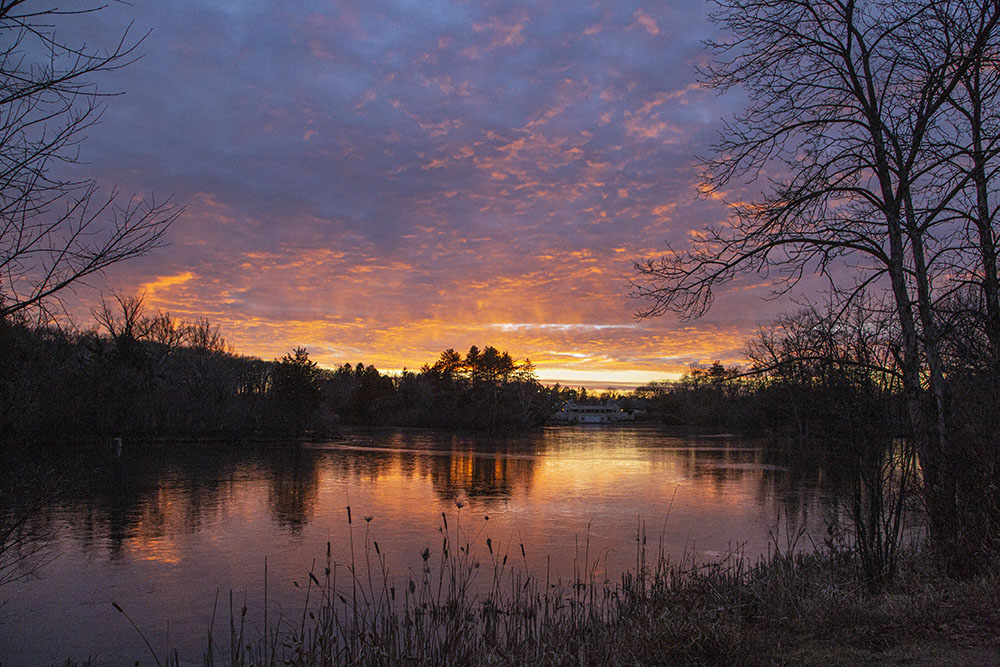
(135, 512)
(168, 526)
(484, 478)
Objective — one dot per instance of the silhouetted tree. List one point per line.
(295, 388)
(369, 403)
(56, 229)
(848, 107)
(206, 336)
(126, 323)
(449, 365)
(168, 333)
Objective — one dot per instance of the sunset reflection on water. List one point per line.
(160, 533)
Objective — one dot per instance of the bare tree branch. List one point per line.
(56, 230)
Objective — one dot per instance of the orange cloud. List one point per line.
(165, 283)
(646, 22)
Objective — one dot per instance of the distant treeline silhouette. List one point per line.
(142, 376)
(816, 373)
(137, 375)
(808, 376)
(160, 377)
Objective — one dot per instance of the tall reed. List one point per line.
(476, 601)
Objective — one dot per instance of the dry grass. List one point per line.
(469, 604)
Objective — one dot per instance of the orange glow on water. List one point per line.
(575, 498)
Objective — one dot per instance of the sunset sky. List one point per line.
(380, 180)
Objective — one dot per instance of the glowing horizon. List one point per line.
(378, 182)
(594, 355)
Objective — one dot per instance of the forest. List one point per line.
(154, 377)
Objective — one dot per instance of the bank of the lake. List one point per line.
(810, 609)
(797, 609)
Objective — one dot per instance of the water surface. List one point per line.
(164, 532)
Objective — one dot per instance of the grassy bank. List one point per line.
(470, 604)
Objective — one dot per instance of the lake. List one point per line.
(166, 532)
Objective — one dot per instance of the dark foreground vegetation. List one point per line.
(476, 603)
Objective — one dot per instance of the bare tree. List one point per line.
(969, 145)
(811, 357)
(127, 324)
(205, 336)
(847, 101)
(169, 332)
(56, 230)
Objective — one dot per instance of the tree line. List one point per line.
(136, 375)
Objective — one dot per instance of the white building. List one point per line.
(591, 413)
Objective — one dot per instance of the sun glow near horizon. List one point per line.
(378, 214)
(603, 355)
(594, 342)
